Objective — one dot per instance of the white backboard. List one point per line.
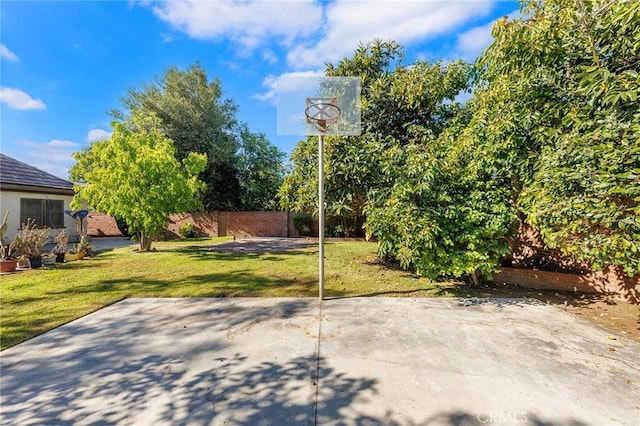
(297, 94)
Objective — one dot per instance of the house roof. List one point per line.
(16, 175)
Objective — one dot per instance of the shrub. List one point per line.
(62, 242)
(30, 240)
(302, 223)
(187, 230)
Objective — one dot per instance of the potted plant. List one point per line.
(7, 262)
(30, 241)
(80, 250)
(85, 246)
(48, 259)
(62, 246)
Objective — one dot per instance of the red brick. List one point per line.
(239, 224)
(611, 280)
(102, 225)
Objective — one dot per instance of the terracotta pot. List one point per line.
(8, 265)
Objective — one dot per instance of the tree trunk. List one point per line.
(476, 278)
(145, 241)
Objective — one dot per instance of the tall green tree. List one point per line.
(557, 115)
(260, 171)
(394, 96)
(194, 114)
(348, 159)
(438, 213)
(135, 176)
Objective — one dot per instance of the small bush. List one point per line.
(187, 230)
(31, 239)
(62, 242)
(302, 223)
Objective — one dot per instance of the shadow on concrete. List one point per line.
(262, 245)
(269, 393)
(523, 418)
(105, 369)
(191, 361)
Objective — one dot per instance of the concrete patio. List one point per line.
(357, 361)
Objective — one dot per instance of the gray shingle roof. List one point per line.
(16, 172)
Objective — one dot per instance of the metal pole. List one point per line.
(321, 215)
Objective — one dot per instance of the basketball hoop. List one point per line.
(331, 107)
(322, 112)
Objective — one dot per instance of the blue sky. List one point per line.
(64, 65)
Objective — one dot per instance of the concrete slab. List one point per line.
(168, 362)
(469, 362)
(380, 361)
(262, 245)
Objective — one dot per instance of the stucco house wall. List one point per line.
(10, 200)
(19, 181)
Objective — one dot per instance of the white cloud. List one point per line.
(97, 135)
(247, 22)
(472, 42)
(17, 99)
(271, 84)
(56, 169)
(7, 54)
(269, 56)
(315, 32)
(350, 22)
(54, 150)
(54, 156)
(61, 144)
(166, 37)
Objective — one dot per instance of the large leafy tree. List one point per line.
(135, 176)
(554, 140)
(438, 212)
(350, 172)
(193, 113)
(557, 116)
(260, 171)
(350, 168)
(394, 97)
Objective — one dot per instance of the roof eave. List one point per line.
(14, 187)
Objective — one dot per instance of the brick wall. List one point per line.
(239, 224)
(610, 281)
(101, 225)
(254, 224)
(528, 249)
(206, 224)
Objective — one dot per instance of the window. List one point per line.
(46, 213)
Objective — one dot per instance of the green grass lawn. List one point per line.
(38, 300)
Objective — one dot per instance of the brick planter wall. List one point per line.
(608, 281)
(528, 249)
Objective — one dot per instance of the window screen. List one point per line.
(46, 213)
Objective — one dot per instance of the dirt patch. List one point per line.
(608, 311)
